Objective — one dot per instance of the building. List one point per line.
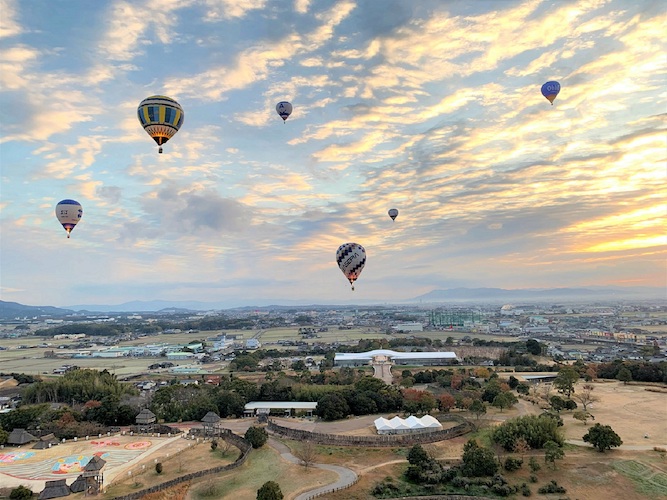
(264, 407)
(413, 326)
(438, 358)
(252, 344)
(178, 355)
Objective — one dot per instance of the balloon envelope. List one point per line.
(161, 118)
(393, 213)
(284, 109)
(351, 259)
(69, 213)
(550, 90)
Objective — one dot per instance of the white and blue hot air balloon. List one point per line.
(284, 109)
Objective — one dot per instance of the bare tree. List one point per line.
(521, 447)
(306, 453)
(546, 390)
(585, 397)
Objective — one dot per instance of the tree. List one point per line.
(521, 447)
(585, 396)
(306, 453)
(417, 455)
(256, 436)
(504, 400)
(536, 430)
(602, 437)
(624, 375)
(478, 408)
(557, 403)
(583, 416)
(552, 452)
(332, 406)
(270, 490)
(158, 468)
(533, 347)
(567, 377)
(478, 461)
(446, 402)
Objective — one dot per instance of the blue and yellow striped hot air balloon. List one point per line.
(161, 118)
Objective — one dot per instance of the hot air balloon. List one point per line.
(550, 90)
(351, 258)
(161, 118)
(393, 213)
(69, 213)
(284, 109)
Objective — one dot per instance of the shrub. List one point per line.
(158, 467)
(214, 445)
(533, 478)
(552, 487)
(20, 493)
(534, 464)
(525, 490)
(512, 464)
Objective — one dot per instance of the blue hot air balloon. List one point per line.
(550, 90)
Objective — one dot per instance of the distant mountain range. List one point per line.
(458, 295)
(543, 294)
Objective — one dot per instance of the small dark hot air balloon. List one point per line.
(393, 213)
(284, 109)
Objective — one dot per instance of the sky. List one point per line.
(431, 107)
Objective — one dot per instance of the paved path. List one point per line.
(346, 477)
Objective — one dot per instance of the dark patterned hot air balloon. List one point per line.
(351, 258)
(393, 213)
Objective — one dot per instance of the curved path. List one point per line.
(346, 477)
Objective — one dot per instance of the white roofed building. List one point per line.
(438, 358)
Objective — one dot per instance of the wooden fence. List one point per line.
(372, 441)
(225, 434)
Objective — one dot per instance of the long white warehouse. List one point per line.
(393, 357)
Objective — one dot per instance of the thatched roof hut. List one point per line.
(145, 417)
(78, 485)
(210, 419)
(45, 441)
(95, 464)
(54, 489)
(20, 436)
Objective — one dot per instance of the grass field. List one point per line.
(264, 464)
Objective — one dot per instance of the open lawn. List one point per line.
(264, 464)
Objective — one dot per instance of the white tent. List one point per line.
(399, 425)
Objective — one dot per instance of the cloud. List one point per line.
(128, 24)
(182, 210)
(230, 9)
(9, 25)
